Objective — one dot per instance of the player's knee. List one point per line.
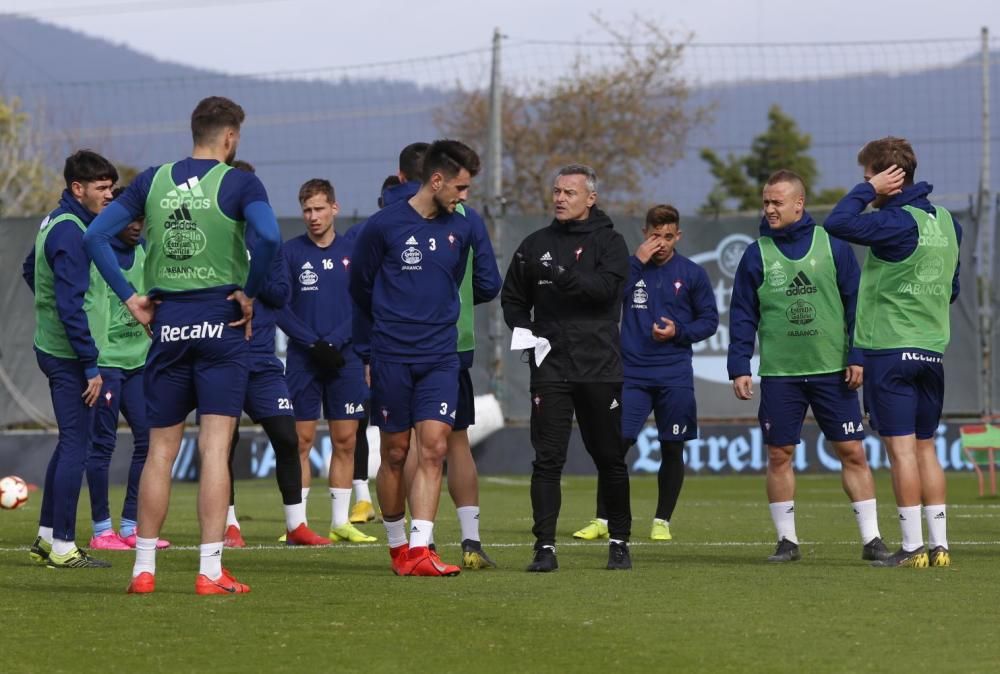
(434, 452)
(394, 454)
(779, 457)
(851, 454)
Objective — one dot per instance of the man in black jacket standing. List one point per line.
(565, 284)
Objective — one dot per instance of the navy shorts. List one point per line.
(267, 392)
(405, 393)
(673, 408)
(196, 361)
(338, 397)
(465, 409)
(904, 392)
(783, 403)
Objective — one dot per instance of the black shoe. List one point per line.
(917, 559)
(786, 552)
(473, 556)
(940, 556)
(618, 557)
(432, 547)
(544, 561)
(39, 551)
(875, 550)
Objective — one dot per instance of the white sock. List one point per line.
(937, 525)
(341, 502)
(663, 522)
(604, 522)
(231, 517)
(46, 534)
(61, 547)
(909, 522)
(305, 494)
(468, 520)
(420, 533)
(295, 515)
(145, 556)
(395, 532)
(783, 516)
(361, 491)
(211, 560)
(866, 513)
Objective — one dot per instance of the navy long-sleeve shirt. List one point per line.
(272, 298)
(890, 232)
(319, 307)
(70, 266)
(679, 290)
(405, 278)
(794, 242)
(241, 197)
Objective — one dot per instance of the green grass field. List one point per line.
(707, 601)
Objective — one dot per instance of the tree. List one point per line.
(740, 180)
(27, 185)
(627, 117)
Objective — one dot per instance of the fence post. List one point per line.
(986, 234)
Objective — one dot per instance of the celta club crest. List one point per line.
(412, 256)
(639, 296)
(451, 239)
(346, 262)
(537, 400)
(385, 414)
(678, 284)
(579, 252)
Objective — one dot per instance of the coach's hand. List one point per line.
(142, 309)
(667, 332)
(743, 387)
(93, 391)
(889, 181)
(854, 375)
(246, 306)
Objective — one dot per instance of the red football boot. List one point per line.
(225, 584)
(233, 537)
(422, 562)
(144, 583)
(398, 555)
(303, 535)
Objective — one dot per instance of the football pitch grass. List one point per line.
(706, 601)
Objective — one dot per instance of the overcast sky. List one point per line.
(262, 36)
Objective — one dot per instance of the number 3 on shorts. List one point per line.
(444, 409)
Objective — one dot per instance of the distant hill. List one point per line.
(135, 108)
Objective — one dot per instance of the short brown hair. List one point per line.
(786, 176)
(311, 188)
(662, 214)
(878, 155)
(213, 114)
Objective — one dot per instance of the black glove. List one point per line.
(548, 269)
(327, 357)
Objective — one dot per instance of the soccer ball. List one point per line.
(13, 492)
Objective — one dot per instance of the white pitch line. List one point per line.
(567, 544)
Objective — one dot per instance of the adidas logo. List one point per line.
(640, 284)
(452, 415)
(546, 257)
(411, 241)
(939, 516)
(186, 194)
(614, 404)
(790, 510)
(359, 408)
(800, 285)
(307, 265)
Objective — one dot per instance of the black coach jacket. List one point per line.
(565, 283)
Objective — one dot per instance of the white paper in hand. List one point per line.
(522, 338)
